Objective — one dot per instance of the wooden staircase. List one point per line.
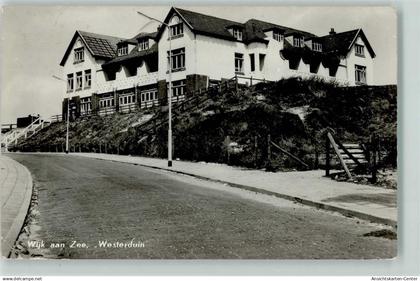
(14, 136)
(351, 156)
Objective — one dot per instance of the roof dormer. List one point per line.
(296, 39)
(314, 43)
(144, 44)
(236, 31)
(275, 33)
(122, 49)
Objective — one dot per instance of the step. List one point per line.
(353, 150)
(358, 159)
(351, 145)
(350, 161)
(357, 156)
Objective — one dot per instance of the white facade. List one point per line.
(215, 58)
(208, 57)
(71, 67)
(352, 59)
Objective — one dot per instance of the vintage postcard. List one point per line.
(194, 132)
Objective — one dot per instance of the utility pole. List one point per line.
(169, 88)
(68, 116)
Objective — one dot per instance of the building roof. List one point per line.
(141, 35)
(134, 54)
(341, 43)
(104, 46)
(255, 29)
(99, 45)
(205, 24)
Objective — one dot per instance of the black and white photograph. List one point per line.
(199, 132)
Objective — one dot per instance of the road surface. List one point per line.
(88, 208)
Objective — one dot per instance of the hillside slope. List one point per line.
(234, 126)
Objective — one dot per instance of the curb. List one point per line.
(316, 204)
(12, 235)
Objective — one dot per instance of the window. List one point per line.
(294, 63)
(85, 105)
(149, 95)
(239, 63)
(177, 30)
(313, 67)
(70, 82)
(88, 79)
(237, 33)
(127, 99)
(106, 102)
(123, 50)
(277, 35)
(79, 80)
(110, 75)
(359, 50)
(262, 60)
(360, 72)
(79, 55)
(130, 70)
(332, 70)
(178, 88)
(298, 41)
(177, 59)
(144, 44)
(252, 61)
(317, 47)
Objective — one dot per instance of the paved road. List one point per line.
(176, 216)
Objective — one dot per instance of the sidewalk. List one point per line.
(310, 188)
(16, 192)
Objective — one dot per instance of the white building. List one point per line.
(105, 73)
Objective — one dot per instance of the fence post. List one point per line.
(374, 163)
(106, 148)
(228, 149)
(80, 149)
(269, 148)
(100, 149)
(327, 156)
(62, 148)
(255, 151)
(118, 148)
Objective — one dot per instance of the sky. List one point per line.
(34, 39)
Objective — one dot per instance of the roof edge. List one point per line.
(364, 38)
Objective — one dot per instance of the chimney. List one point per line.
(332, 32)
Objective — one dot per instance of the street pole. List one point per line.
(67, 125)
(169, 88)
(170, 101)
(68, 117)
